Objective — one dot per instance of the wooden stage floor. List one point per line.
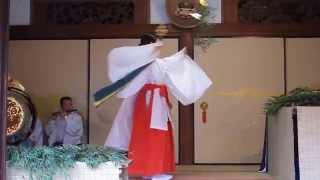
(218, 173)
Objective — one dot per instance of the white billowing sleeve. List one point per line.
(124, 60)
(120, 133)
(185, 78)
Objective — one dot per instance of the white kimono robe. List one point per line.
(65, 129)
(37, 134)
(183, 77)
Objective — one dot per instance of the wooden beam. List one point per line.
(133, 31)
(186, 113)
(83, 31)
(40, 11)
(4, 16)
(264, 30)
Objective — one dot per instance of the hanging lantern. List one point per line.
(204, 107)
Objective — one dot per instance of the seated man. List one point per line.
(66, 126)
(36, 137)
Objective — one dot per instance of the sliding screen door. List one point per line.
(303, 62)
(245, 72)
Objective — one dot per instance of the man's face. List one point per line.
(67, 105)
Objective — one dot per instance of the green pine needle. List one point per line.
(44, 162)
(206, 13)
(297, 97)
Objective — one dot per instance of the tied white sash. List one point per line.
(160, 113)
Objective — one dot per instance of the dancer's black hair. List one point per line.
(147, 38)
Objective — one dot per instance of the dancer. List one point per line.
(143, 124)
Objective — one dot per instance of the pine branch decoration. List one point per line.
(44, 162)
(297, 97)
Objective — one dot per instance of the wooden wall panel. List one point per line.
(50, 69)
(303, 62)
(245, 72)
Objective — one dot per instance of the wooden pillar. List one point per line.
(186, 113)
(4, 29)
(141, 11)
(39, 12)
(230, 11)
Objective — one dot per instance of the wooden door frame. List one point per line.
(4, 36)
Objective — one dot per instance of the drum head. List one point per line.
(21, 116)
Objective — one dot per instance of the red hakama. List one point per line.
(151, 150)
